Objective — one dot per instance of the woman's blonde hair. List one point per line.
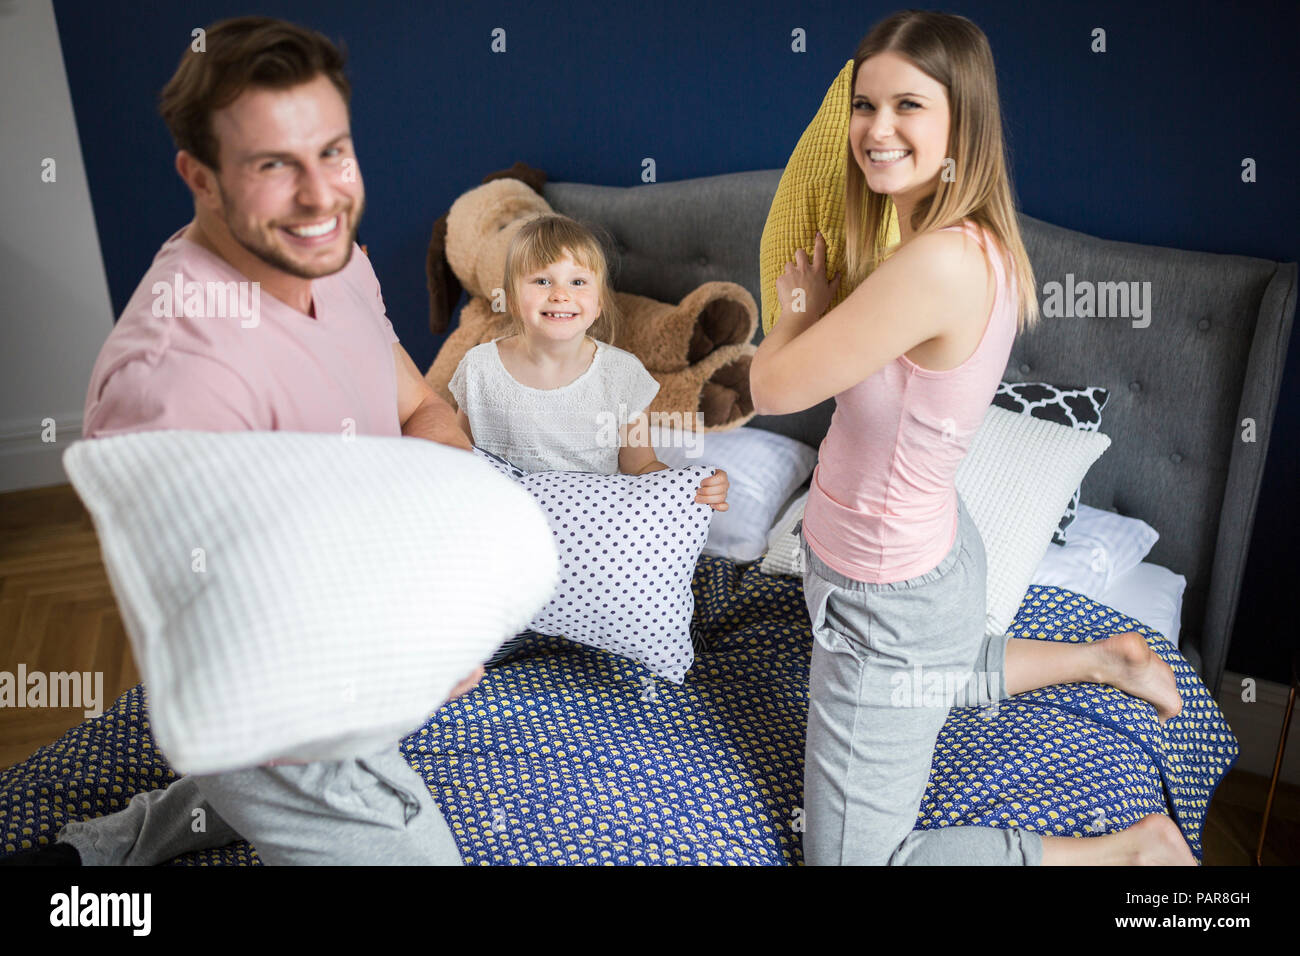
(547, 239)
(955, 53)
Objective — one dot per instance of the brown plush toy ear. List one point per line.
(717, 387)
(533, 178)
(444, 287)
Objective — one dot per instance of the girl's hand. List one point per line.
(468, 684)
(818, 293)
(713, 491)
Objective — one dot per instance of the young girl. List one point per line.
(894, 567)
(541, 397)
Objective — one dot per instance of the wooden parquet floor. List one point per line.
(57, 613)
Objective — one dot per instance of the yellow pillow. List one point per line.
(810, 197)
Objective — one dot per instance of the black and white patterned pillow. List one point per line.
(1078, 408)
(627, 546)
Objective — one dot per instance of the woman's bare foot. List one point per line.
(1155, 840)
(1129, 663)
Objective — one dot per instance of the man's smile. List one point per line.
(320, 232)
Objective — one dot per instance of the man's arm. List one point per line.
(462, 422)
(422, 413)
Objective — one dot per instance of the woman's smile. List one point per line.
(887, 157)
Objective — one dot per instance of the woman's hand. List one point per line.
(713, 491)
(818, 293)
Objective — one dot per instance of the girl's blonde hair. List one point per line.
(955, 53)
(547, 239)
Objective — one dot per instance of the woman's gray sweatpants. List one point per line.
(371, 810)
(880, 654)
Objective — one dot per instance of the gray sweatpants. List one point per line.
(888, 662)
(372, 810)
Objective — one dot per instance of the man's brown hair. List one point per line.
(242, 53)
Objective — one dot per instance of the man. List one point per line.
(261, 124)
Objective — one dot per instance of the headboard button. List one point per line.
(1024, 368)
(1176, 458)
(1203, 324)
(1134, 387)
(703, 260)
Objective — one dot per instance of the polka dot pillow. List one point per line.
(627, 546)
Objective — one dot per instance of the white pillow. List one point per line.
(1151, 594)
(627, 545)
(1016, 480)
(303, 597)
(1102, 547)
(764, 469)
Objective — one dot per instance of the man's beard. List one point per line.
(274, 257)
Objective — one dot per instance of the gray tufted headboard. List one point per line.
(1180, 388)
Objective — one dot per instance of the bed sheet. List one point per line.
(568, 755)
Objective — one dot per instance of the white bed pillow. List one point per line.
(1076, 407)
(1102, 547)
(1116, 576)
(627, 546)
(763, 468)
(1151, 594)
(300, 597)
(1016, 480)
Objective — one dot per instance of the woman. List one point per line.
(895, 567)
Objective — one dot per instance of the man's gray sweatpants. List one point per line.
(872, 724)
(371, 810)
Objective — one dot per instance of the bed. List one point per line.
(568, 755)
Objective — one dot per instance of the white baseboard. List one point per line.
(1258, 726)
(27, 461)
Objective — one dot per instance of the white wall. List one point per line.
(55, 310)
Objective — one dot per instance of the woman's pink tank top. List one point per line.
(883, 504)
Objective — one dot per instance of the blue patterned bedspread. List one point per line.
(568, 755)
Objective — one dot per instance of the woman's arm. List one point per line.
(929, 284)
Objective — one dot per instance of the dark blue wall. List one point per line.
(1143, 143)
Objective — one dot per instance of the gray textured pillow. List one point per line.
(303, 597)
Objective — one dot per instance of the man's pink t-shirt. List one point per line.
(233, 367)
(883, 502)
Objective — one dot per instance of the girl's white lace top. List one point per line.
(571, 428)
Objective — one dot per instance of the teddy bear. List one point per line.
(698, 350)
